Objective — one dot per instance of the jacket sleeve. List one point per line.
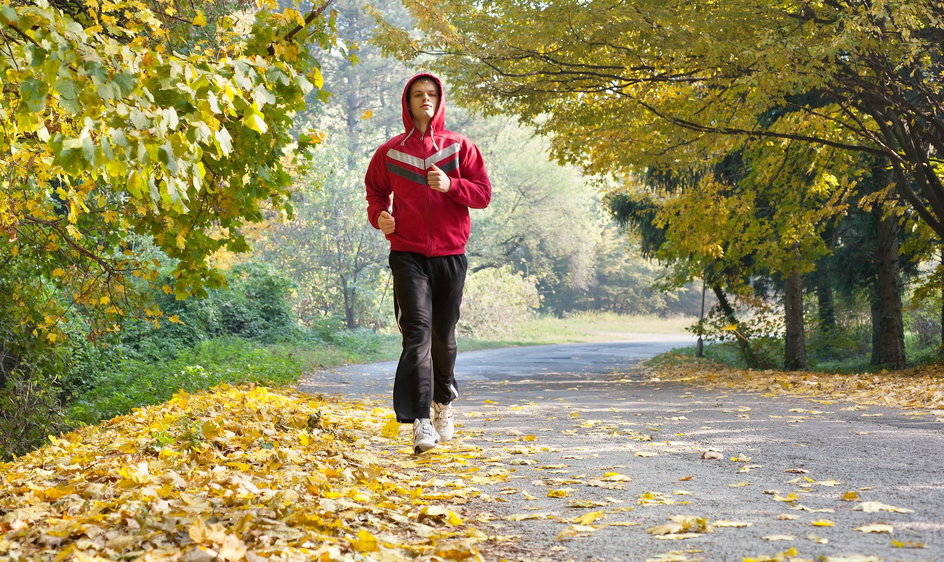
(472, 188)
(377, 182)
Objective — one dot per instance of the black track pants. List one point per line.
(427, 293)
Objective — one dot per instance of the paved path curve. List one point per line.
(561, 418)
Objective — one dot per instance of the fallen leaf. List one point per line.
(682, 524)
(575, 531)
(828, 483)
(876, 528)
(677, 536)
(779, 538)
(588, 518)
(823, 523)
(907, 544)
(527, 516)
(365, 542)
(585, 503)
(872, 507)
(712, 455)
(616, 477)
(724, 523)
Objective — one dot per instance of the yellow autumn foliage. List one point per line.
(234, 473)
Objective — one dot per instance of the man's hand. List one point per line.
(386, 223)
(438, 180)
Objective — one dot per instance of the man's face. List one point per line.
(424, 100)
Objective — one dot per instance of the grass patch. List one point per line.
(587, 327)
(726, 353)
(131, 383)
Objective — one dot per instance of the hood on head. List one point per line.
(438, 122)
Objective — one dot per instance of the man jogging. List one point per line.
(435, 176)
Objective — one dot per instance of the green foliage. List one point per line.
(328, 249)
(136, 137)
(223, 360)
(496, 301)
(255, 306)
(360, 342)
(532, 198)
(29, 411)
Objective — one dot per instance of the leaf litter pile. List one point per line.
(917, 387)
(235, 473)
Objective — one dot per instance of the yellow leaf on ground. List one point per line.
(391, 429)
(779, 538)
(616, 477)
(876, 528)
(365, 542)
(585, 503)
(588, 518)
(233, 548)
(907, 544)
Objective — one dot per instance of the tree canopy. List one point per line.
(622, 85)
(115, 141)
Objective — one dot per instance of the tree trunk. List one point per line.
(794, 357)
(750, 357)
(826, 306)
(888, 334)
(349, 317)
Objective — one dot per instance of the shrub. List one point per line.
(496, 301)
(255, 306)
(223, 360)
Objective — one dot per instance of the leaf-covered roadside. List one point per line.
(235, 473)
(917, 387)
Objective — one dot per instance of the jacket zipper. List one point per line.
(429, 217)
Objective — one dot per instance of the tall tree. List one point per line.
(677, 80)
(110, 137)
(329, 250)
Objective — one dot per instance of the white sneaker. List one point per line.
(443, 420)
(424, 436)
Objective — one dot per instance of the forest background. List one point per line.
(809, 254)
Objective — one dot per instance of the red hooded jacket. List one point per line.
(428, 222)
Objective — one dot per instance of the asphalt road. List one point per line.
(561, 420)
